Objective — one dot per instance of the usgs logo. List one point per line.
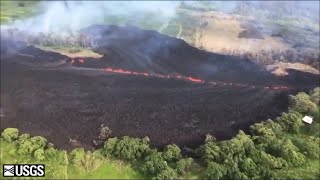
(23, 170)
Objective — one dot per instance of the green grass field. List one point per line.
(10, 10)
(104, 168)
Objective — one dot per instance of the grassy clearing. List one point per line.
(71, 52)
(310, 170)
(13, 10)
(107, 168)
(111, 169)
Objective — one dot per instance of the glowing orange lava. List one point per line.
(186, 78)
(81, 61)
(195, 80)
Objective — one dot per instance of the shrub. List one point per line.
(77, 156)
(215, 170)
(28, 146)
(309, 146)
(127, 148)
(39, 154)
(315, 95)
(167, 173)
(130, 148)
(154, 164)
(291, 153)
(10, 134)
(109, 146)
(183, 165)
(302, 103)
(171, 152)
(291, 122)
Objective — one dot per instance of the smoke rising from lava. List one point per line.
(70, 16)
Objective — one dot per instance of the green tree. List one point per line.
(154, 164)
(302, 103)
(309, 146)
(77, 156)
(237, 146)
(10, 134)
(28, 146)
(184, 165)
(23, 138)
(131, 148)
(288, 151)
(171, 152)
(266, 160)
(167, 173)
(51, 152)
(291, 122)
(215, 170)
(248, 167)
(38, 142)
(315, 95)
(210, 151)
(39, 154)
(109, 146)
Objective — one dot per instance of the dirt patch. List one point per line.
(226, 31)
(280, 69)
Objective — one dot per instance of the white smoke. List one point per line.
(70, 16)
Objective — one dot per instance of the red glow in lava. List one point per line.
(191, 79)
(81, 61)
(195, 80)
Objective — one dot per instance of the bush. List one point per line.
(51, 152)
(28, 146)
(154, 164)
(291, 153)
(167, 173)
(215, 170)
(302, 103)
(109, 146)
(210, 151)
(183, 165)
(127, 148)
(291, 122)
(249, 168)
(265, 132)
(315, 95)
(10, 134)
(77, 156)
(39, 154)
(171, 152)
(309, 146)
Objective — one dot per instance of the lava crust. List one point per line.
(146, 84)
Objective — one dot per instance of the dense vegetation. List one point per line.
(281, 148)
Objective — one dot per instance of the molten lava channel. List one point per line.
(185, 78)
